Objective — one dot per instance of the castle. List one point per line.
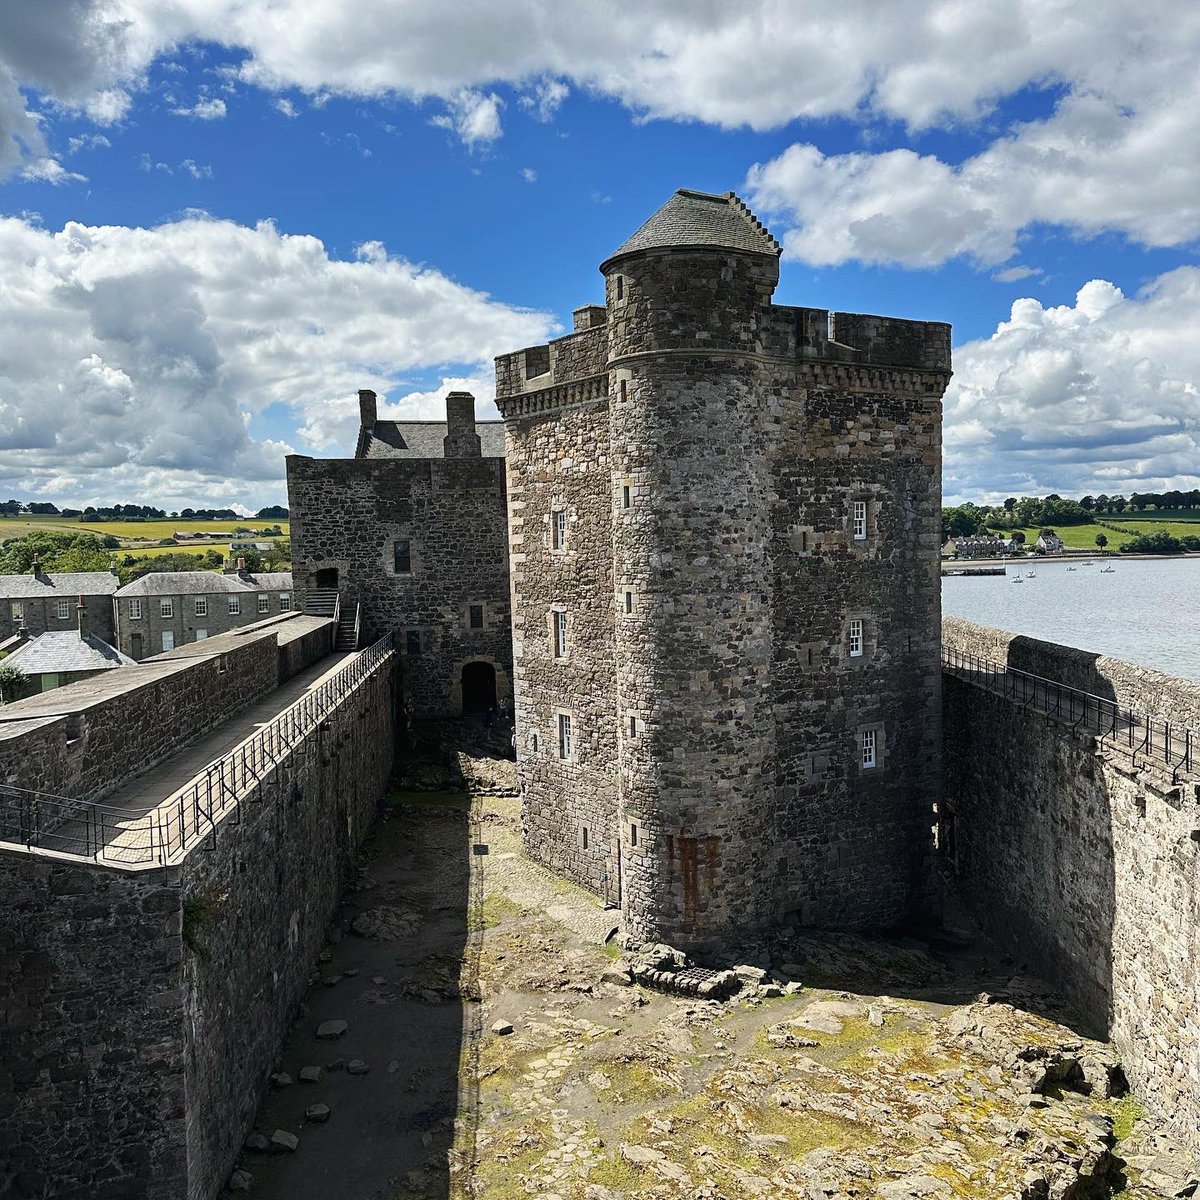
(722, 519)
(703, 562)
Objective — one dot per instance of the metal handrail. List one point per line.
(107, 833)
(1138, 733)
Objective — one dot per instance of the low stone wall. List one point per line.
(1086, 868)
(143, 1009)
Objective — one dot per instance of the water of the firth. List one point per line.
(1147, 611)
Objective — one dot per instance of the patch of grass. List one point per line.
(634, 1082)
(495, 910)
(1126, 1113)
(611, 950)
(617, 1175)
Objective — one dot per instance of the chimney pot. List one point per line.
(368, 408)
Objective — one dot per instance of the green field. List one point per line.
(1083, 537)
(132, 534)
(1169, 515)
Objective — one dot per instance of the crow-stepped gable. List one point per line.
(724, 530)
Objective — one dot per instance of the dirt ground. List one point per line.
(854, 1069)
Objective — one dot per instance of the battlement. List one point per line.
(576, 355)
(864, 338)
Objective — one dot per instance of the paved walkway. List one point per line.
(150, 814)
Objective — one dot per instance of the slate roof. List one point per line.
(701, 219)
(205, 583)
(58, 584)
(423, 439)
(66, 651)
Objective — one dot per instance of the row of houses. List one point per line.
(989, 545)
(60, 626)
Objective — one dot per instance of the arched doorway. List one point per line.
(326, 577)
(478, 688)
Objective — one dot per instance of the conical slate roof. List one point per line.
(701, 219)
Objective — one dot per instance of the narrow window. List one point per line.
(856, 638)
(560, 634)
(620, 287)
(559, 534)
(476, 616)
(633, 727)
(585, 837)
(632, 834)
(235, 606)
(622, 392)
(412, 642)
(868, 748)
(62, 609)
(166, 608)
(533, 742)
(135, 610)
(403, 556)
(285, 601)
(804, 541)
(201, 606)
(625, 495)
(564, 736)
(264, 604)
(860, 520)
(628, 602)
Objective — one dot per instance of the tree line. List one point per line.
(134, 512)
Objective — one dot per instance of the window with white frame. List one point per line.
(285, 601)
(856, 638)
(860, 520)
(264, 604)
(18, 610)
(235, 606)
(135, 610)
(868, 748)
(202, 606)
(564, 735)
(558, 526)
(560, 634)
(62, 609)
(166, 608)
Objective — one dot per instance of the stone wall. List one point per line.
(348, 515)
(1086, 868)
(92, 1054)
(259, 907)
(144, 1009)
(559, 463)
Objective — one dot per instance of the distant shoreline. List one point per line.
(955, 564)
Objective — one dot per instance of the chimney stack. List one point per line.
(241, 566)
(461, 440)
(37, 564)
(81, 613)
(368, 410)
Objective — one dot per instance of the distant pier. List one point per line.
(948, 569)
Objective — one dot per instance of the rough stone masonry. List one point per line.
(724, 521)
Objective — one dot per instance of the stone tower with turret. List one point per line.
(724, 520)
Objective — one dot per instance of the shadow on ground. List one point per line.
(391, 1082)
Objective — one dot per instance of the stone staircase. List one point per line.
(323, 602)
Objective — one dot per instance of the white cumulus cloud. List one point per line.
(140, 360)
(473, 116)
(1099, 396)
(211, 108)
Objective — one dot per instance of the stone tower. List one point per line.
(724, 529)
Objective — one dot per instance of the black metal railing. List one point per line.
(1152, 739)
(170, 826)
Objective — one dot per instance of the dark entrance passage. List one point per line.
(326, 577)
(478, 688)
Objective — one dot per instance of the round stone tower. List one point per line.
(687, 296)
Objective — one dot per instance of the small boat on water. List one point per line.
(1070, 568)
(1089, 563)
(1032, 574)
(1018, 579)
(1107, 571)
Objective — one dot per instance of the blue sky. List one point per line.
(217, 221)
